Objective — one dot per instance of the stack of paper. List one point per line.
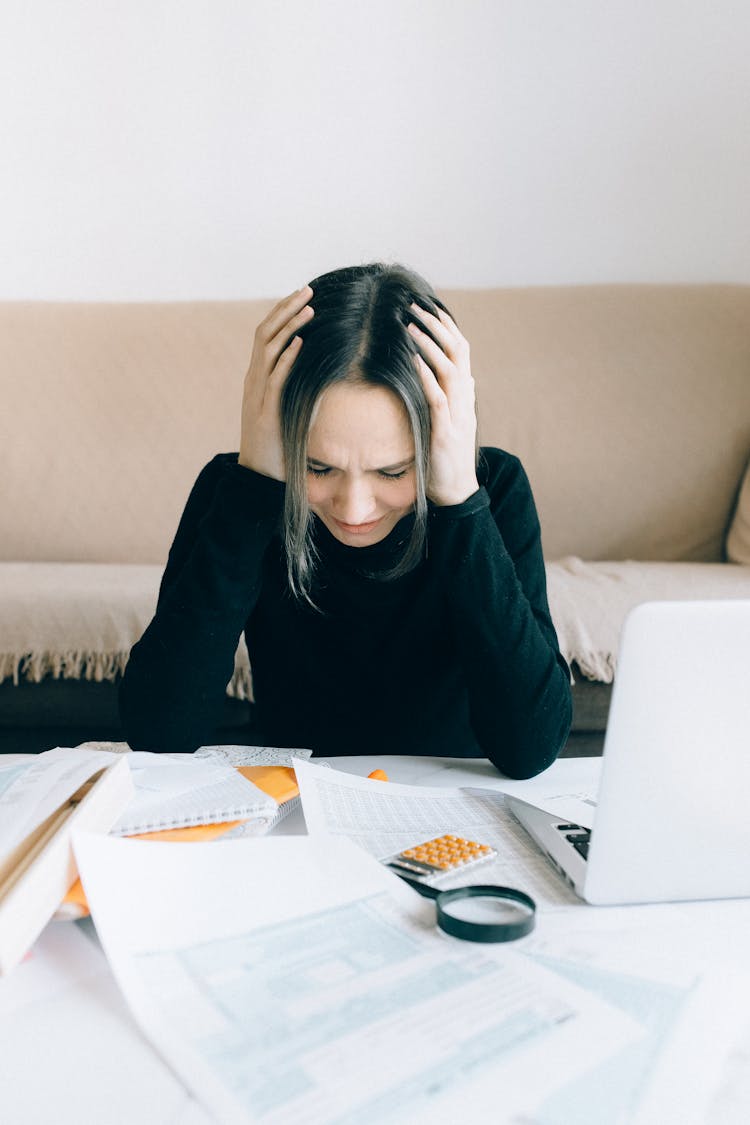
(41, 802)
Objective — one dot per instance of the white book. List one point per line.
(38, 867)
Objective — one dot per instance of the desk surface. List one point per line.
(71, 1052)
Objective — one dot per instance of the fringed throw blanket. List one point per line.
(80, 620)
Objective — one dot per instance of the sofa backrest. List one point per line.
(629, 406)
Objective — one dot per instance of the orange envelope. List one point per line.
(280, 782)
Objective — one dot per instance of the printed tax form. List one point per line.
(295, 981)
(384, 817)
(679, 969)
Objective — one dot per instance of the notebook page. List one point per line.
(225, 795)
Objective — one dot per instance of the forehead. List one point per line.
(359, 419)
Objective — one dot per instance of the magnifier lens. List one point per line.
(485, 913)
(486, 909)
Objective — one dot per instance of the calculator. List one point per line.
(441, 856)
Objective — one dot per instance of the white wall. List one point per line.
(232, 148)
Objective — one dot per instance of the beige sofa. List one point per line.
(629, 406)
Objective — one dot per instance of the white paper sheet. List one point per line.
(167, 776)
(384, 817)
(71, 1053)
(730, 1101)
(31, 790)
(323, 992)
(691, 1008)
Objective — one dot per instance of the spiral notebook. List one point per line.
(172, 794)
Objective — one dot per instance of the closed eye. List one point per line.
(381, 473)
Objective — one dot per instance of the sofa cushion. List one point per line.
(738, 538)
(589, 601)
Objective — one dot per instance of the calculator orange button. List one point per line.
(446, 852)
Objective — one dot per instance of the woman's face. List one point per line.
(361, 478)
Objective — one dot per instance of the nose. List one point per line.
(354, 502)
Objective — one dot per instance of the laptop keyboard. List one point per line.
(578, 836)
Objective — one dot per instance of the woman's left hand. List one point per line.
(449, 389)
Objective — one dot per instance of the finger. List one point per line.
(275, 346)
(449, 322)
(441, 364)
(444, 330)
(260, 374)
(457, 392)
(436, 397)
(284, 365)
(283, 312)
(290, 297)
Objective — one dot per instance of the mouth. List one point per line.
(357, 528)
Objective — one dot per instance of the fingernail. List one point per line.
(413, 328)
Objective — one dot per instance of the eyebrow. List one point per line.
(381, 469)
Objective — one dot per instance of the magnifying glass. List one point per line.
(480, 912)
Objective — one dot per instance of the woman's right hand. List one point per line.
(270, 364)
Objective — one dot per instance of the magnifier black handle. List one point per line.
(427, 892)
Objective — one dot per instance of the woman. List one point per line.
(387, 575)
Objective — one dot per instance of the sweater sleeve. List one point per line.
(488, 552)
(172, 694)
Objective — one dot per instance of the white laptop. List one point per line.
(672, 820)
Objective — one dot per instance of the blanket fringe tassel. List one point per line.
(33, 667)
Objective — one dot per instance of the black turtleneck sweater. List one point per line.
(457, 658)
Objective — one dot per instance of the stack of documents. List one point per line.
(41, 802)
